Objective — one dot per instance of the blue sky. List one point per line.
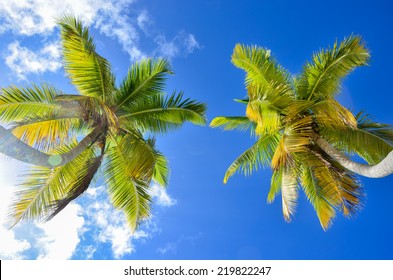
(199, 217)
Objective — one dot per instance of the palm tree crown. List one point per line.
(295, 119)
(101, 130)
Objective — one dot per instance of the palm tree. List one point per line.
(303, 133)
(104, 130)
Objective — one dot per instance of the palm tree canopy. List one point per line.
(302, 133)
(100, 131)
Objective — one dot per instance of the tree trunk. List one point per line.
(382, 169)
(17, 149)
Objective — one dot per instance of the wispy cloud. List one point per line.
(62, 234)
(56, 239)
(11, 247)
(39, 15)
(182, 44)
(168, 247)
(24, 61)
(117, 19)
(104, 224)
(161, 196)
(144, 21)
(172, 247)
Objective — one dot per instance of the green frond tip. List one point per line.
(161, 170)
(258, 155)
(242, 101)
(231, 123)
(323, 76)
(261, 68)
(194, 111)
(18, 104)
(160, 114)
(88, 71)
(145, 78)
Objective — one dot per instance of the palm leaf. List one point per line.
(161, 170)
(275, 184)
(322, 77)
(289, 193)
(266, 116)
(262, 71)
(18, 104)
(88, 71)
(47, 132)
(160, 114)
(78, 187)
(145, 78)
(43, 186)
(328, 187)
(258, 155)
(380, 130)
(128, 172)
(317, 196)
(329, 113)
(231, 123)
(297, 135)
(370, 140)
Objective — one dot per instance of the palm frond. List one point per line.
(258, 155)
(145, 78)
(329, 187)
(128, 171)
(351, 191)
(231, 123)
(18, 104)
(262, 70)
(43, 186)
(280, 155)
(289, 193)
(322, 77)
(329, 113)
(297, 135)
(78, 187)
(370, 140)
(316, 194)
(275, 184)
(88, 71)
(266, 116)
(160, 114)
(161, 170)
(380, 130)
(47, 132)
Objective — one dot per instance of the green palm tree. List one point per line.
(101, 131)
(302, 132)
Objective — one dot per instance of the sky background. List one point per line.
(198, 217)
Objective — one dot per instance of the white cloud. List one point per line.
(182, 44)
(39, 15)
(172, 247)
(190, 43)
(109, 225)
(116, 19)
(56, 239)
(144, 21)
(10, 246)
(24, 61)
(161, 196)
(169, 247)
(61, 234)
